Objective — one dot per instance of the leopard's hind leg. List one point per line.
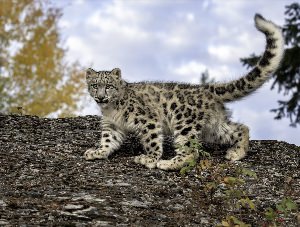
(239, 139)
(234, 134)
(184, 153)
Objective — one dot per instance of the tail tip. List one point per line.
(258, 17)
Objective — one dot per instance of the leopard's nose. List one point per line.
(101, 100)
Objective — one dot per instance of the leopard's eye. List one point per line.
(95, 86)
(108, 86)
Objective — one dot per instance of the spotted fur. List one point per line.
(187, 111)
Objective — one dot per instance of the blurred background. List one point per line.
(45, 46)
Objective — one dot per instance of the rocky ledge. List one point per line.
(45, 181)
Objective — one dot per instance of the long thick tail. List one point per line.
(267, 65)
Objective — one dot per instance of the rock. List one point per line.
(2, 203)
(136, 203)
(46, 181)
(72, 207)
(4, 222)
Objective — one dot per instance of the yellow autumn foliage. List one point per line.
(34, 75)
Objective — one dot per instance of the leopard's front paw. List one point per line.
(89, 154)
(92, 154)
(177, 162)
(145, 160)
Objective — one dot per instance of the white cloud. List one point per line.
(173, 39)
(237, 45)
(228, 10)
(118, 19)
(80, 50)
(90, 108)
(189, 72)
(224, 53)
(65, 24)
(206, 4)
(80, 2)
(187, 16)
(190, 17)
(221, 73)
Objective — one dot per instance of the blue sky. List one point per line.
(176, 40)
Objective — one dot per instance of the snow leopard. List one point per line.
(187, 111)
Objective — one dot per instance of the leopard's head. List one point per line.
(105, 86)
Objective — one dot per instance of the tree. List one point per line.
(205, 79)
(33, 71)
(287, 77)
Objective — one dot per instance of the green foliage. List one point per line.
(247, 172)
(193, 145)
(233, 181)
(233, 187)
(286, 206)
(246, 203)
(283, 209)
(190, 165)
(232, 221)
(235, 200)
(235, 195)
(270, 214)
(287, 77)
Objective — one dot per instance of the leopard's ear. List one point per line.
(89, 72)
(116, 72)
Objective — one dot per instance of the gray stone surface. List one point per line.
(45, 181)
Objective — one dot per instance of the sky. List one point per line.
(177, 40)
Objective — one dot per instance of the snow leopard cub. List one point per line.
(188, 111)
